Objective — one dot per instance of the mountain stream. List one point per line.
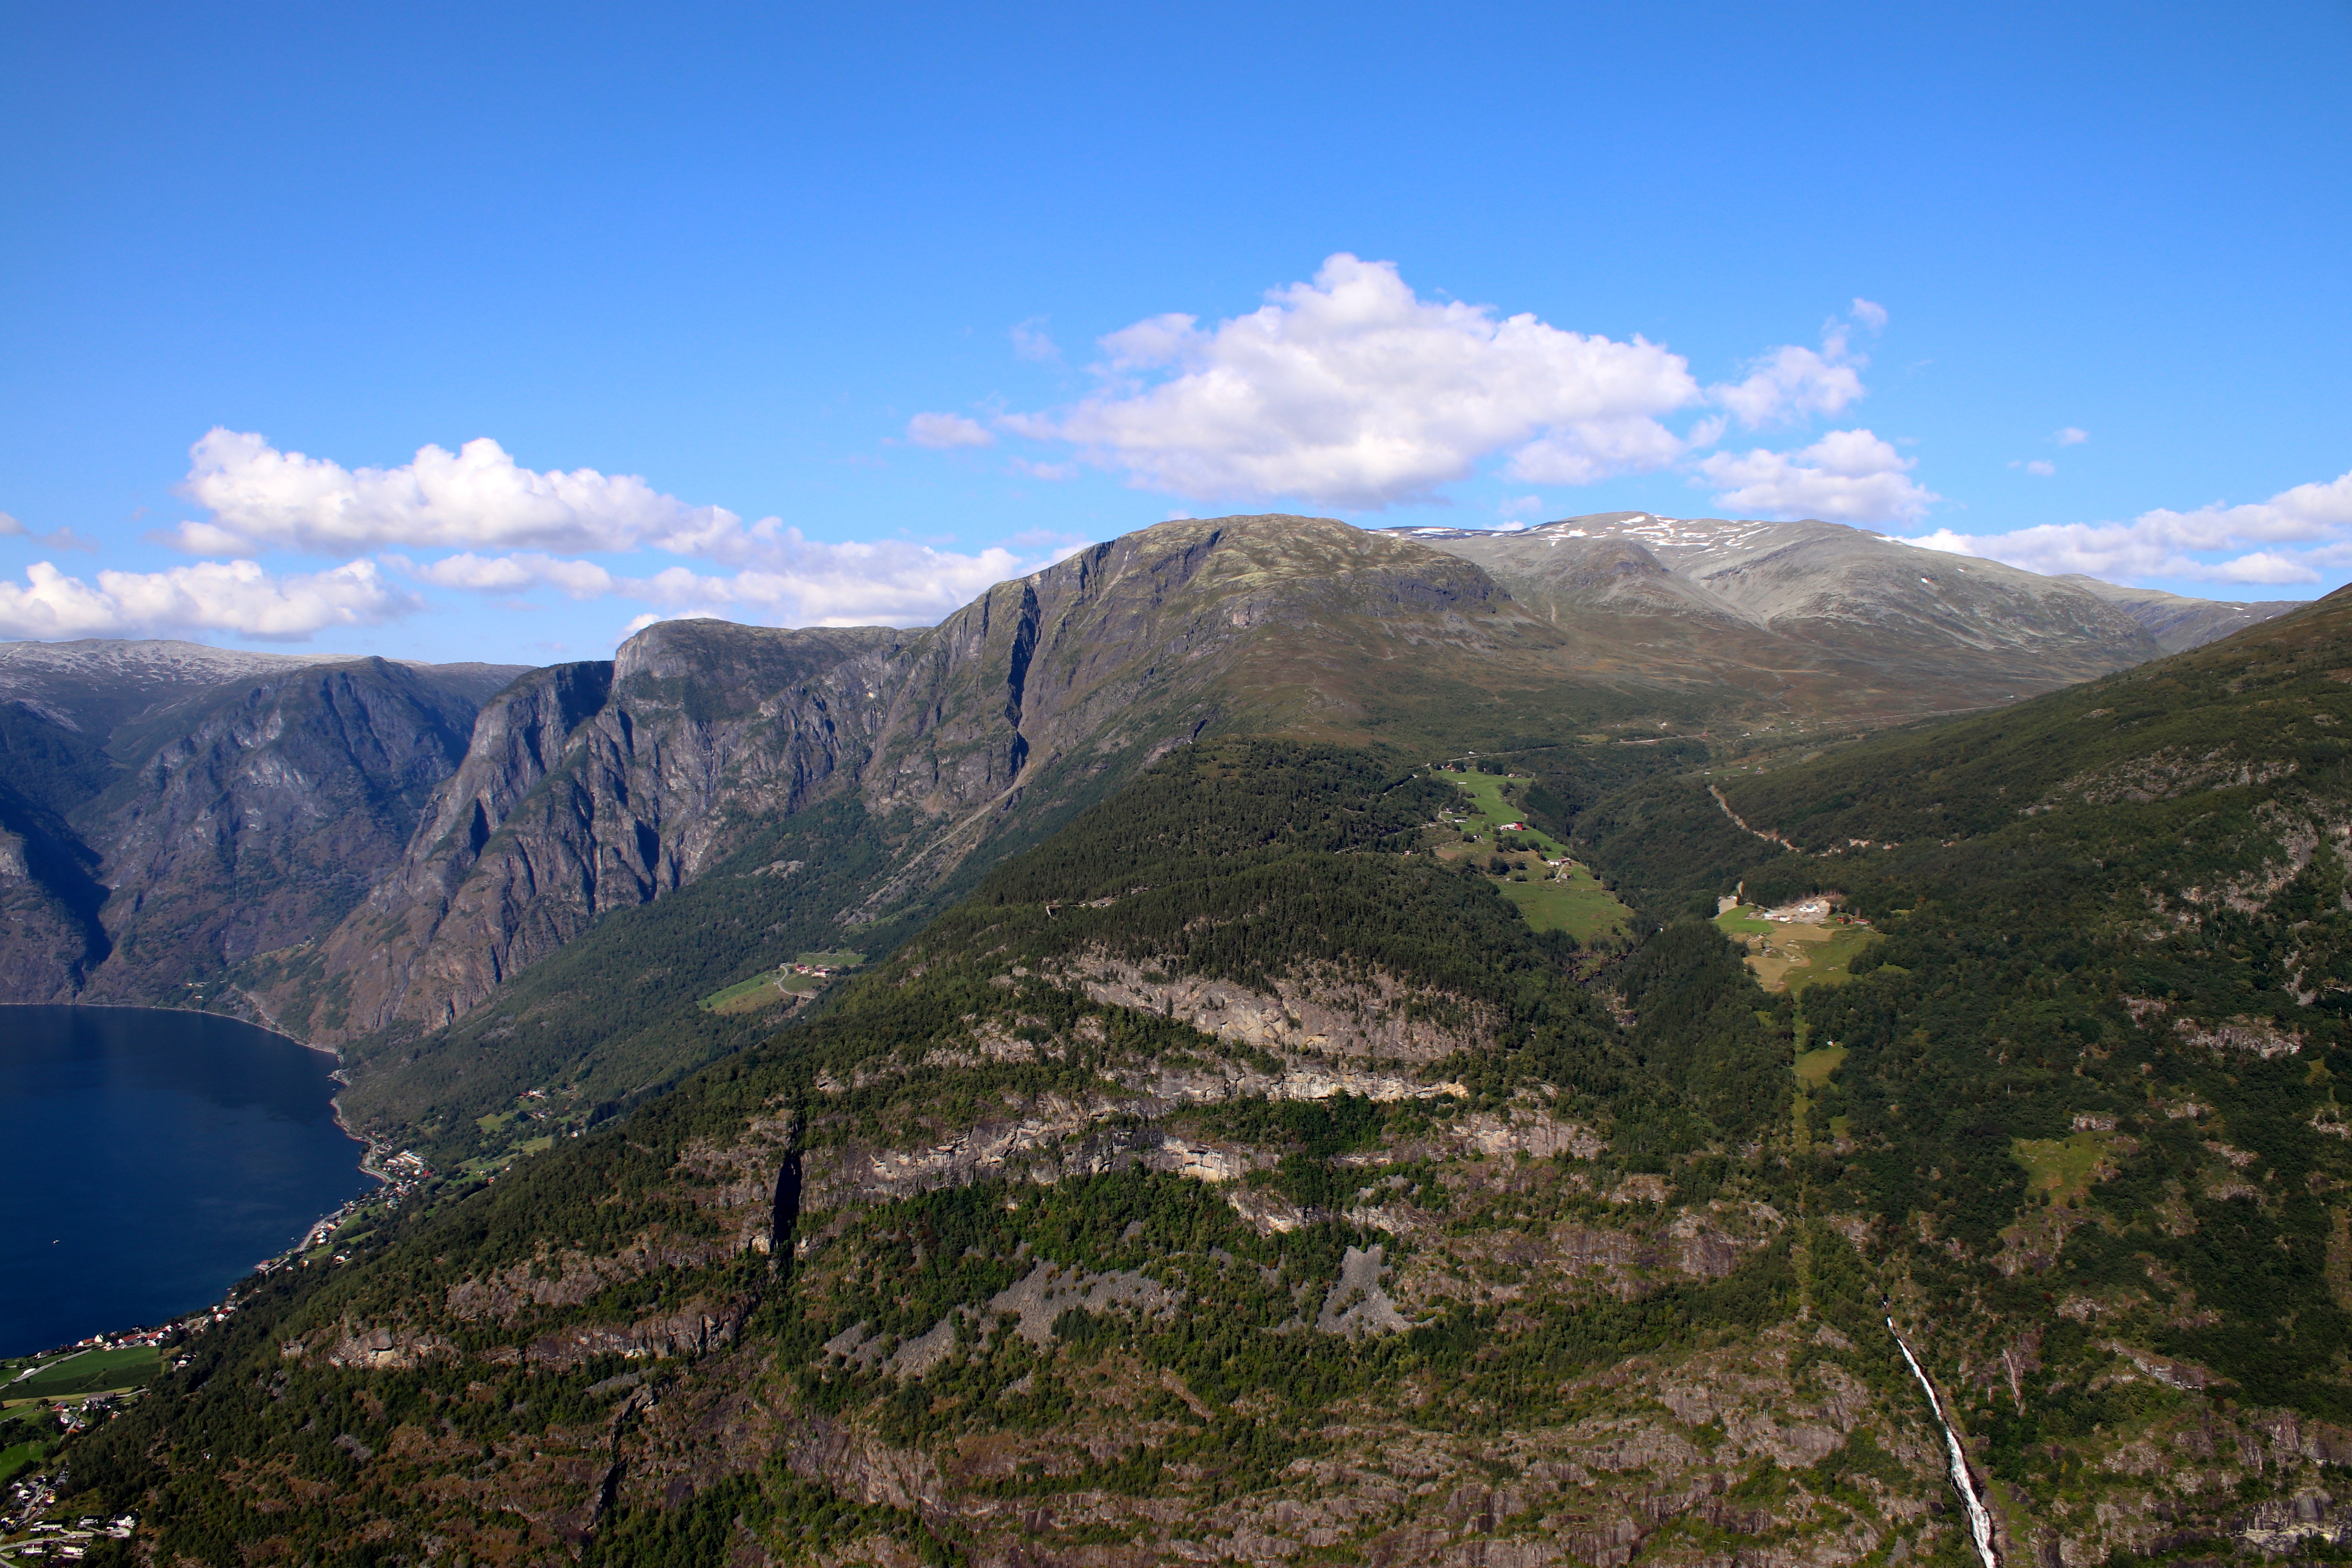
(1980, 1518)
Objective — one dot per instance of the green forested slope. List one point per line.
(1226, 1176)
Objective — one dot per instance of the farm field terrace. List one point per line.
(1571, 899)
(1790, 954)
(72, 1376)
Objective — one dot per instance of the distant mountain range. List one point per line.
(1826, 617)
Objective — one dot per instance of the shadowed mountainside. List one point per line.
(169, 811)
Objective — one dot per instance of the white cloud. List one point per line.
(1030, 341)
(515, 530)
(475, 498)
(2070, 437)
(942, 431)
(210, 595)
(2264, 566)
(2167, 544)
(1847, 475)
(797, 582)
(1350, 391)
(887, 583)
(1792, 383)
(514, 574)
(2040, 467)
(1595, 448)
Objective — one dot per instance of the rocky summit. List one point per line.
(1266, 1042)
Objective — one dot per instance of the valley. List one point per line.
(1208, 1147)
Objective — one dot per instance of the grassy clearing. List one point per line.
(1574, 901)
(1789, 955)
(22, 1457)
(781, 985)
(2060, 1169)
(1815, 1068)
(1487, 810)
(760, 991)
(1578, 905)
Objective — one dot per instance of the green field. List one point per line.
(1487, 809)
(1579, 905)
(91, 1371)
(1575, 902)
(1815, 1068)
(2060, 1169)
(759, 991)
(15, 1461)
(774, 984)
(1787, 955)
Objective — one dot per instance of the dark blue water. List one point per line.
(148, 1159)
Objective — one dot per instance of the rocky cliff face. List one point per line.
(173, 810)
(590, 788)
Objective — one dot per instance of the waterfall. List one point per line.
(1979, 1519)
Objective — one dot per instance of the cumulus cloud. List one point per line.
(2166, 544)
(2069, 437)
(1792, 383)
(1847, 475)
(941, 432)
(2039, 467)
(209, 596)
(475, 498)
(798, 581)
(515, 531)
(1352, 391)
(515, 573)
(888, 582)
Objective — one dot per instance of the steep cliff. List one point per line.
(588, 789)
(172, 810)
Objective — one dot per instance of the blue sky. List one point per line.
(796, 316)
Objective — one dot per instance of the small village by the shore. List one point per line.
(52, 1394)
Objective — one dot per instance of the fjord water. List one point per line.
(148, 1159)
